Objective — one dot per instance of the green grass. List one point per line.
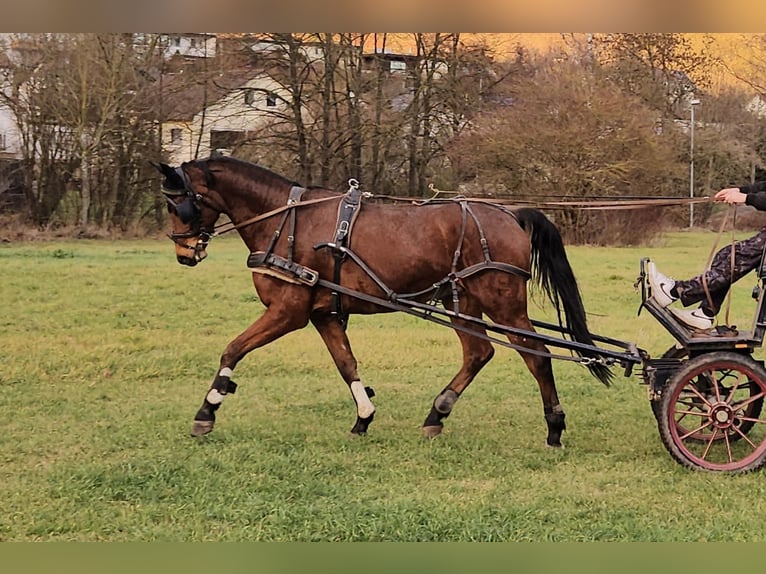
(107, 349)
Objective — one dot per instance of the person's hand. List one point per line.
(731, 195)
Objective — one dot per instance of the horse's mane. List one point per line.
(245, 169)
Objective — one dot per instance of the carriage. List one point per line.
(317, 256)
(707, 390)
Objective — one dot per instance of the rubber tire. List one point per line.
(673, 353)
(669, 428)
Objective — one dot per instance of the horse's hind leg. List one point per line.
(504, 301)
(476, 353)
(542, 369)
(334, 336)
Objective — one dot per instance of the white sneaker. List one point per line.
(693, 318)
(659, 285)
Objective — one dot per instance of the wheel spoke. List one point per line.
(744, 437)
(734, 387)
(750, 400)
(695, 413)
(729, 456)
(752, 420)
(717, 387)
(702, 397)
(709, 444)
(698, 429)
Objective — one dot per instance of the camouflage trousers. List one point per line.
(720, 276)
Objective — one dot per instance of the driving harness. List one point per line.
(269, 263)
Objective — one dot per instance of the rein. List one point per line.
(713, 251)
(583, 205)
(230, 226)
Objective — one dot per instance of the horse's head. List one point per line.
(192, 214)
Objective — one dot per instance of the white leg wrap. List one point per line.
(214, 397)
(364, 406)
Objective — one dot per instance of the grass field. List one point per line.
(107, 349)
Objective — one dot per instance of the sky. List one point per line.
(541, 16)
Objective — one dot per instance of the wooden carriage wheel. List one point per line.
(709, 413)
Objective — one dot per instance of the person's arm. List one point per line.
(753, 195)
(753, 187)
(757, 199)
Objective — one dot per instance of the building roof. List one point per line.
(183, 95)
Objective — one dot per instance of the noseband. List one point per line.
(189, 212)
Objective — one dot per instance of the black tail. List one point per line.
(553, 273)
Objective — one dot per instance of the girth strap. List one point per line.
(296, 192)
(269, 263)
(294, 197)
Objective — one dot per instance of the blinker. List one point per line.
(186, 211)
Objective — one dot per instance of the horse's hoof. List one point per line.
(432, 431)
(557, 445)
(201, 428)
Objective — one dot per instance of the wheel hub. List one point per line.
(722, 415)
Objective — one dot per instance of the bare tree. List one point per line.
(570, 133)
(661, 68)
(36, 63)
(78, 106)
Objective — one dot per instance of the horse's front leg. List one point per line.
(279, 319)
(334, 336)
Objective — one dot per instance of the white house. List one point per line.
(227, 120)
(757, 106)
(10, 146)
(189, 45)
(312, 52)
(10, 142)
(9, 132)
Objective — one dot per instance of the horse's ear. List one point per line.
(173, 180)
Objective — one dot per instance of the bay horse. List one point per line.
(313, 264)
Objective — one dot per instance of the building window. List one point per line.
(177, 40)
(249, 97)
(2, 140)
(397, 66)
(271, 99)
(226, 139)
(175, 136)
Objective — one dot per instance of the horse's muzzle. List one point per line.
(197, 254)
(188, 261)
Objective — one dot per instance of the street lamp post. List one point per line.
(692, 104)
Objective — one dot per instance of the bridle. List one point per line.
(189, 211)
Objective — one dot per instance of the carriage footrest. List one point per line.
(271, 264)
